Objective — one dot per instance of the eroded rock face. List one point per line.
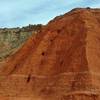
(60, 63)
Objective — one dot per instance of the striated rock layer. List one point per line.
(62, 62)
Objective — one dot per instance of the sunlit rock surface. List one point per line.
(61, 62)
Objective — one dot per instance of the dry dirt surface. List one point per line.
(62, 62)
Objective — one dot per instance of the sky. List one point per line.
(18, 13)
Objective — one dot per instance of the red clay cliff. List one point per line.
(61, 62)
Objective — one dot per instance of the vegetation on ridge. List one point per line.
(12, 38)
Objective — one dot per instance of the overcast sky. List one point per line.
(14, 13)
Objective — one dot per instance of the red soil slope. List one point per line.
(61, 62)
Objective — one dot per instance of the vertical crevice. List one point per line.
(28, 78)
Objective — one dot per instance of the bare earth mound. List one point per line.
(62, 62)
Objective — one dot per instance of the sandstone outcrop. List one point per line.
(62, 62)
